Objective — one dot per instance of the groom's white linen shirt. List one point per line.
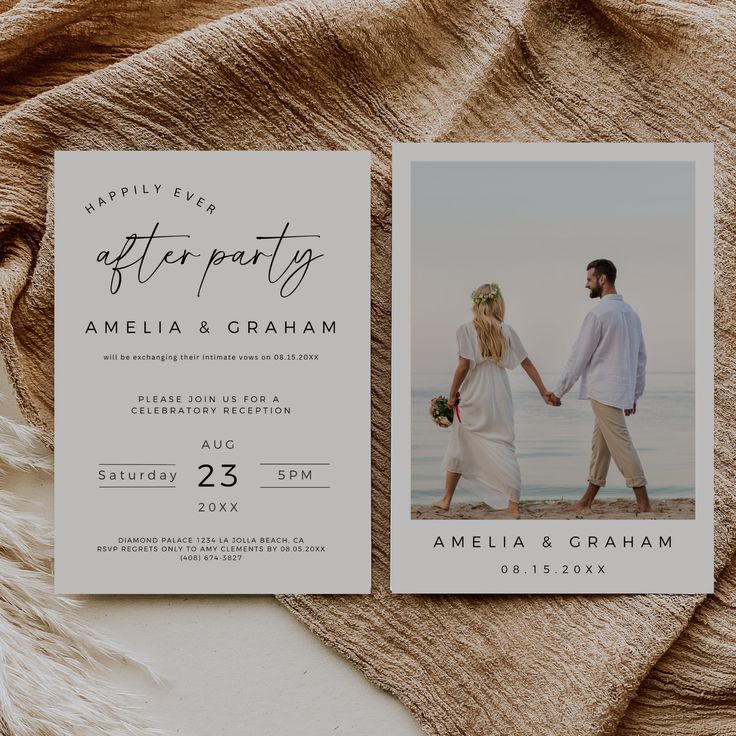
(609, 356)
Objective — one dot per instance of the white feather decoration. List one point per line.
(52, 665)
(21, 447)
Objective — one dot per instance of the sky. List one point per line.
(533, 227)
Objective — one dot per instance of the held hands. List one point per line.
(550, 398)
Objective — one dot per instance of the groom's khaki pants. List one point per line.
(611, 438)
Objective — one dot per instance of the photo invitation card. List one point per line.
(552, 356)
(212, 383)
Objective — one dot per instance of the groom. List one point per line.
(609, 357)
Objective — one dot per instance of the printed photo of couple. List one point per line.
(553, 340)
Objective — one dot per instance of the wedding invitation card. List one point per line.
(552, 357)
(212, 372)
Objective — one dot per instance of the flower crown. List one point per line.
(493, 294)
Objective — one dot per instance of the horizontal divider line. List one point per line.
(136, 486)
(293, 486)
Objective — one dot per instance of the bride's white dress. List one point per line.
(481, 444)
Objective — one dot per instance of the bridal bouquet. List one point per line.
(441, 411)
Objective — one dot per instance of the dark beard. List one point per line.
(595, 292)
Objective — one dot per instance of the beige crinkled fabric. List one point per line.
(362, 74)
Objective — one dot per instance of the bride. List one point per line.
(481, 445)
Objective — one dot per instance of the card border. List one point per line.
(699, 577)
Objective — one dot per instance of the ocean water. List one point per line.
(553, 443)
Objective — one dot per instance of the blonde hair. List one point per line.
(488, 313)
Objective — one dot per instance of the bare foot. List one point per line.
(512, 508)
(442, 505)
(642, 500)
(581, 507)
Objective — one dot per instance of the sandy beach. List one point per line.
(617, 508)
